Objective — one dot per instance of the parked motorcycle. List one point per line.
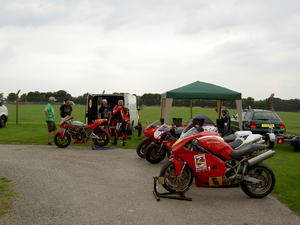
(241, 139)
(149, 134)
(165, 136)
(81, 133)
(206, 157)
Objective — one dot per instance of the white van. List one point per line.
(93, 104)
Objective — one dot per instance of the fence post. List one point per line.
(17, 107)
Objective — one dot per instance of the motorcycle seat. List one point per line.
(229, 138)
(235, 144)
(247, 150)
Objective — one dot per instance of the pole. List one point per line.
(191, 107)
(17, 107)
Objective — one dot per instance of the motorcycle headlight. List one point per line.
(156, 135)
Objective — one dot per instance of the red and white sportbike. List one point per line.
(206, 157)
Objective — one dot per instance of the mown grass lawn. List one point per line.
(31, 130)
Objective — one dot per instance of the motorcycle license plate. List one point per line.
(267, 125)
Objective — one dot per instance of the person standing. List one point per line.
(66, 109)
(122, 117)
(50, 118)
(105, 111)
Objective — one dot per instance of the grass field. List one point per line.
(31, 129)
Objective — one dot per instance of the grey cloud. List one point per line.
(30, 13)
(6, 53)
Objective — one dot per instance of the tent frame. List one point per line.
(166, 103)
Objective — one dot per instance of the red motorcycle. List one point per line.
(165, 136)
(149, 134)
(206, 157)
(81, 133)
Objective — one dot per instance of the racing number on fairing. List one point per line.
(213, 181)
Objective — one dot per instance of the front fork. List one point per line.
(179, 165)
(61, 133)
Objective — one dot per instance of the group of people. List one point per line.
(119, 113)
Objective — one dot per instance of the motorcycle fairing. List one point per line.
(96, 123)
(161, 130)
(210, 175)
(216, 145)
(200, 162)
(168, 143)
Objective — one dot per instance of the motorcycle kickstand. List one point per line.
(170, 195)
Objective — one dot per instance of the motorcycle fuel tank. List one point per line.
(216, 145)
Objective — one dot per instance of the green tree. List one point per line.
(150, 99)
(11, 97)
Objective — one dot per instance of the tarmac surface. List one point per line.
(78, 185)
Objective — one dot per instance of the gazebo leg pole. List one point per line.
(191, 106)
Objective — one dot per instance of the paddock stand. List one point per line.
(179, 195)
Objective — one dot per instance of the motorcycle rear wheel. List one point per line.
(141, 148)
(103, 137)
(155, 153)
(174, 183)
(263, 172)
(62, 142)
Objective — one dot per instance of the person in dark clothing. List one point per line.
(65, 109)
(121, 114)
(105, 112)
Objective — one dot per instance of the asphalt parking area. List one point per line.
(78, 185)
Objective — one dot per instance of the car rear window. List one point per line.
(248, 115)
(265, 116)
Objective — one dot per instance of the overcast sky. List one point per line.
(139, 46)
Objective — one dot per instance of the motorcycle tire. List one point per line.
(263, 172)
(62, 142)
(155, 153)
(172, 182)
(141, 148)
(103, 137)
(270, 144)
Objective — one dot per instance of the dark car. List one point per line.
(258, 121)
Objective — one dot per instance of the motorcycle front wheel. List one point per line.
(103, 137)
(141, 148)
(174, 183)
(155, 153)
(259, 190)
(62, 142)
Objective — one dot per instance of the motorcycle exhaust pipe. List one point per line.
(261, 157)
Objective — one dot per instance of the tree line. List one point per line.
(150, 99)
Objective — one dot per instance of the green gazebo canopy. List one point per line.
(201, 90)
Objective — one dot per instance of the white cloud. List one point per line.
(150, 47)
